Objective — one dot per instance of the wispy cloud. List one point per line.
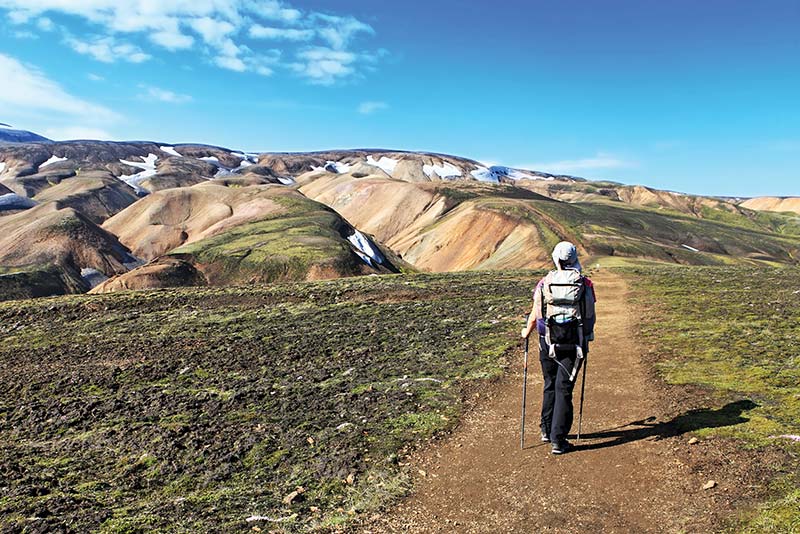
(326, 66)
(150, 92)
(600, 161)
(45, 24)
(34, 99)
(320, 47)
(95, 77)
(367, 108)
(25, 34)
(108, 49)
(280, 34)
(172, 40)
(33, 91)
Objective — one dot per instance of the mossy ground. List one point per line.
(194, 409)
(735, 331)
(606, 228)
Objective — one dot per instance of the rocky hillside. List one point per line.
(132, 215)
(779, 204)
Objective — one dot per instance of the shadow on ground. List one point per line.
(728, 415)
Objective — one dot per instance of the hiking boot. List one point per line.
(561, 447)
(545, 436)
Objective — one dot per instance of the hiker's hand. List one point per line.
(525, 333)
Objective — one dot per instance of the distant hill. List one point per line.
(134, 215)
(11, 135)
(780, 204)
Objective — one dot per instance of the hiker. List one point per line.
(563, 316)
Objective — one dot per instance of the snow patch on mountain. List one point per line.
(13, 201)
(496, 172)
(484, 174)
(171, 151)
(448, 170)
(53, 159)
(365, 249)
(687, 247)
(334, 167)
(93, 277)
(148, 166)
(386, 164)
(210, 159)
(2, 166)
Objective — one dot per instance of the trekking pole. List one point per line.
(524, 395)
(583, 385)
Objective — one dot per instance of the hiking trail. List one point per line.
(621, 478)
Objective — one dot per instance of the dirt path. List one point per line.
(622, 478)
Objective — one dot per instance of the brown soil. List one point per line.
(632, 471)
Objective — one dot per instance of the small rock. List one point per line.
(310, 441)
(710, 484)
(692, 441)
(350, 478)
(423, 473)
(293, 495)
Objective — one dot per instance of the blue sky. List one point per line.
(701, 97)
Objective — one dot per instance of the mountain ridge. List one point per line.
(423, 210)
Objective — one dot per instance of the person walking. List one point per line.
(563, 315)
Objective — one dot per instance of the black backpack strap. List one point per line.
(544, 305)
(583, 299)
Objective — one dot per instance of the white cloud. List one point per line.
(324, 66)
(77, 132)
(367, 108)
(45, 24)
(212, 31)
(33, 91)
(172, 40)
(339, 31)
(19, 16)
(231, 63)
(95, 77)
(598, 162)
(285, 34)
(221, 30)
(108, 50)
(35, 102)
(151, 92)
(25, 34)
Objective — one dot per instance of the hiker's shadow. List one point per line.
(730, 414)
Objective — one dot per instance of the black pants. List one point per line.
(557, 401)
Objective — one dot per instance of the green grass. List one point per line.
(193, 409)
(606, 228)
(283, 247)
(736, 332)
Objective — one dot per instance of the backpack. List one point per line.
(563, 305)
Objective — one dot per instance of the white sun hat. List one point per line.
(566, 254)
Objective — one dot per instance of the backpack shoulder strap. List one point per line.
(584, 288)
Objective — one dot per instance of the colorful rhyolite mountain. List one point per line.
(104, 216)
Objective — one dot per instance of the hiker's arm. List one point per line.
(529, 326)
(535, 316)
